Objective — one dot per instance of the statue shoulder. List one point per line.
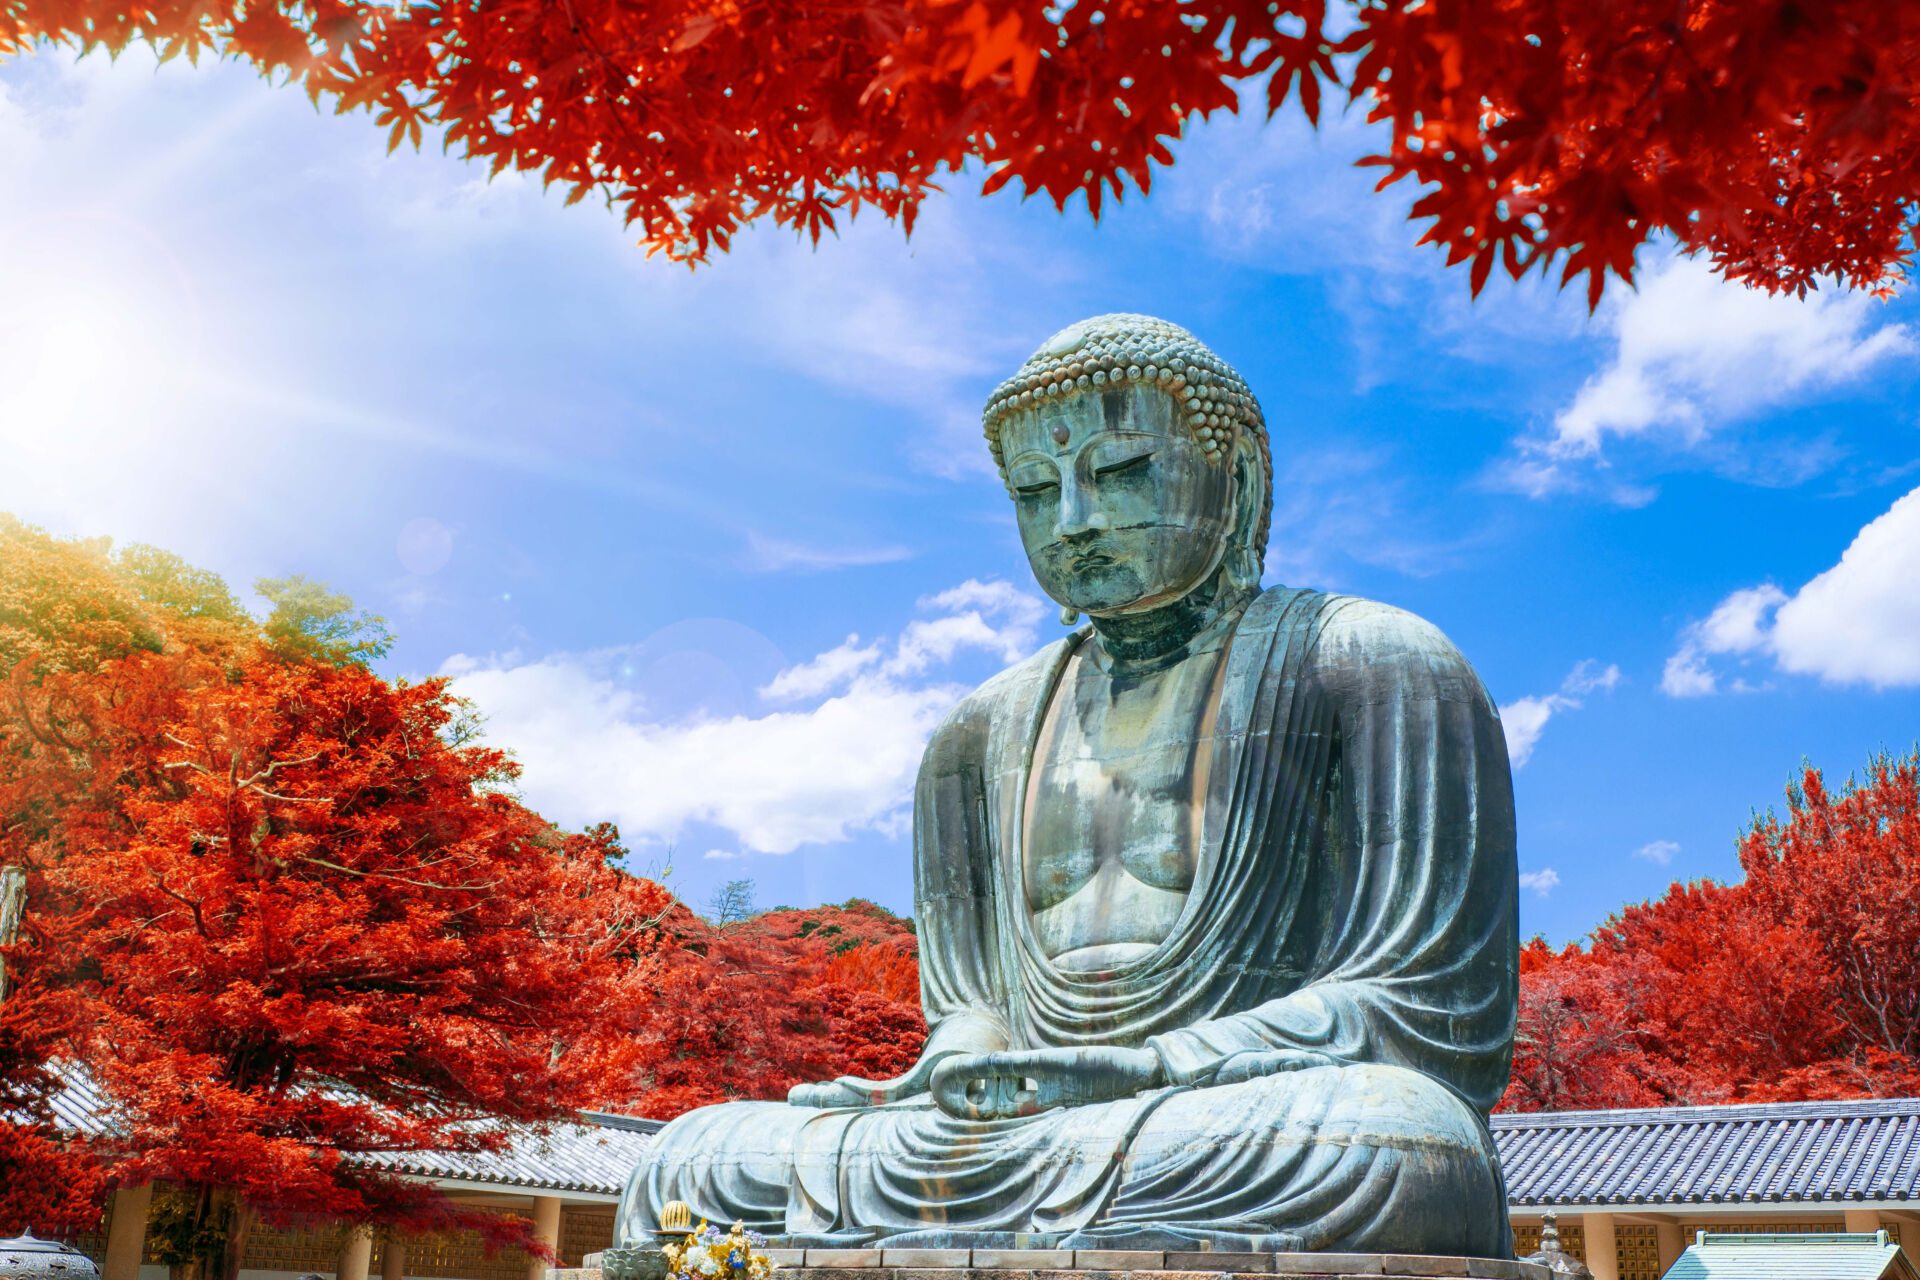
(962, 735)
(1352, 634)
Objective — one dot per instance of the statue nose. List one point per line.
(1079, 520)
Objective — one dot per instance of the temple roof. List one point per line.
(1791, 1152)
(594, 1155)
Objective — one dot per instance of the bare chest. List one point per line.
(1114, 809)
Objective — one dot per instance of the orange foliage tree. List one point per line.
(1802, 981)
(751, 1008)
(281, 910)
(1779, 137)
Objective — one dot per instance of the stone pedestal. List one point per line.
(1118, 1264)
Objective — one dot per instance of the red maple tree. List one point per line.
(1779, 137)
(749, 1009)
(49, 1179)
(283, 911)
(1801, 981)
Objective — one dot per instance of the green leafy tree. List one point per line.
(310, 621)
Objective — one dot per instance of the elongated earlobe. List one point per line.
(1245, 557)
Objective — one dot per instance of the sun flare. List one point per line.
(100, 348)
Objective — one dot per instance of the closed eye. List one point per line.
(1123, 464)
(1033, 488)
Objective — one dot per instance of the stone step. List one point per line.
(1117, 1264)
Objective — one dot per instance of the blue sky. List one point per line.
(713, 550)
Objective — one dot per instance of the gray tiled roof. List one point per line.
(594, 1155)
(79, 1107)
(1781, 1152)
(1820, 1257)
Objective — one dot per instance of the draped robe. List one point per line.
(1333, 1010)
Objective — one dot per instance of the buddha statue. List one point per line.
(1215, 895)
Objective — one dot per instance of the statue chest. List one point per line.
(1114, 804)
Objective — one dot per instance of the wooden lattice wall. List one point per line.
(584, 1229)
(458, 1256)
(1636, 1251)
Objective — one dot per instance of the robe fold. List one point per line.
(1333, 1010)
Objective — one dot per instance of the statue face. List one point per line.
(1118, 507)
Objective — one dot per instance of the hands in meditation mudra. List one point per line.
(1215, 897)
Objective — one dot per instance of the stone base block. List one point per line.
(1118, 1264)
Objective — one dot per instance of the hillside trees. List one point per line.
(281, 909)
(1779, 138)
(751, 1007)
(1800, 981)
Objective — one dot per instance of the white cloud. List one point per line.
(996, 617)
(1589, 676)
(1657, 851)
(775, 779)
(1860, 620)
(1542, 882)
(829, 670)
(1692, 351)
(1525, 719)
(1856, 623)
(1737, 625)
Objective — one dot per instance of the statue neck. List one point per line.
(1140, 643)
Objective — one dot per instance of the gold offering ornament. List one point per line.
(703, 1253)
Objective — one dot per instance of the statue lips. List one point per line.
(1090, 560)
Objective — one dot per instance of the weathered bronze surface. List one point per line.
(1216, 896)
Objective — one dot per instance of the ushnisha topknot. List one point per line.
(1113, 350)
(1122, 348)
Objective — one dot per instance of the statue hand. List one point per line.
(1025, 1082)
(1267, 1062)
(857, 1091)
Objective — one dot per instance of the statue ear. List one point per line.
(1246, 557)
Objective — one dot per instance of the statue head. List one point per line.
(1138, 465)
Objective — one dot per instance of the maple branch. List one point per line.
(383, 875)
(193, 907)
(277, 765)
(51, 736)
(275, 795)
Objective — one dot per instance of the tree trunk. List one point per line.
(239, 1227)
(13, 906)
(218, 1227)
